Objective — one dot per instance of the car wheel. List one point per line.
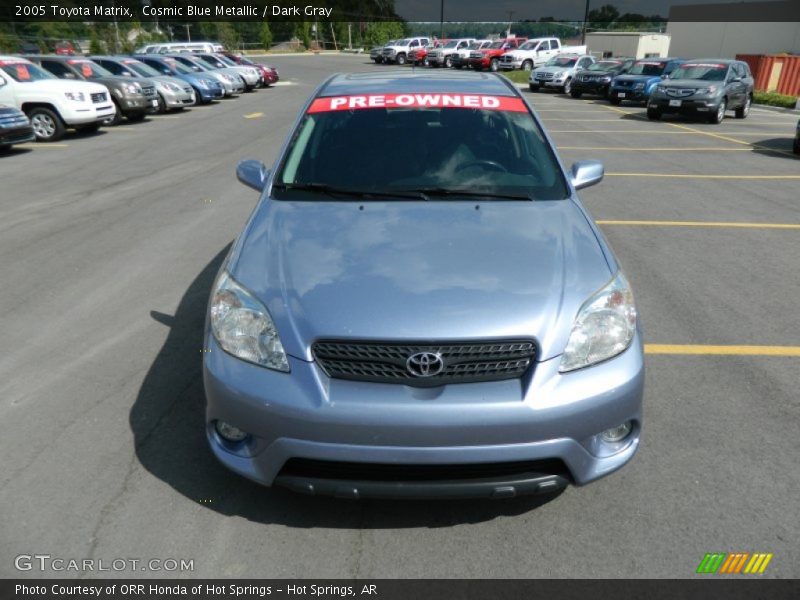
(653, 114)
(426, 62)
(401, 59)
(533, 88)
(567, 87)
(796, 147)
(575, 93)
(162, 105)
(377, 61)
(448, 62)
(116, 119)
(527, 65)
(719, 116)
(615, 101)
(47, 125)
(743, 111)
(136, 117)
(494, 65)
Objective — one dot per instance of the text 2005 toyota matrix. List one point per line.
(439, 317)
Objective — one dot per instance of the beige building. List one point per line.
(605, 44)
(744, 32)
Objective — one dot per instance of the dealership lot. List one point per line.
(110, 242)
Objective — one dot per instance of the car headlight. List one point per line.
(172, 87)
(638, 86)
(75, 96)
(132, 88)
(559, 75)
(661, 89)
(707, 90)
(604, 327)
(203, 83)
(605, 79)
(243, 327)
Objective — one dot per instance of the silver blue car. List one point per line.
(420, 305)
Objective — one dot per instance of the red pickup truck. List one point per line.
(420, 55)
(489, 58)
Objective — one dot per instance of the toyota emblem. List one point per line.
(425, 364)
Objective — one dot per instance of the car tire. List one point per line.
(401, 59)
(575, 93)
(426, 62)
(162, 105)
(653, 114)
(116, 119)
(567, 89)
(377, 61)
(796, 147)
(533, 88)
(614, 101)
(136, 117)
(494, 65)
(719, 115)
(448, 62)
(743, 111)
(527, 65)
(47, 125)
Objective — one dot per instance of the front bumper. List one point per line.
(174, 99)
(548, 83)
(509, 65)
(591, 87)
(134, 105)
(17, 135)
(684, 106)
(628, 94)
(209, 94)
(546, 416)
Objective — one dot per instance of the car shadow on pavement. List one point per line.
(781, 147)
(168, 425)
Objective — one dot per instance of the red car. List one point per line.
(65, 48)
(270, 74)
(489, 58)
(420, 55)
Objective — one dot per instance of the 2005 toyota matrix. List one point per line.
(420, 306)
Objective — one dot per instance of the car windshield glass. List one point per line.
(452, 44)
(141, 69)
(647, 68)
(529, 45)
(402, 43)
(603, 66)
(179, 67)
(24, 72)
(198, 62)
(425, 148)
(225, 60)
(89, 69)
(562, 61)
(704, 71)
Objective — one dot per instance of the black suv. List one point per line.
(704, 87)
(597, 77)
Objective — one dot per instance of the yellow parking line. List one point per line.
(693, 349)
(585, 120)
(694, 176)
(701, 224)
(35, 145)
(624, 131)
(254, 115)
(623, 149)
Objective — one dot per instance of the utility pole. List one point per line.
(508, 29)
(116, 28)
(349, 36)
(188, 33)
(585, 18)
(441, 20)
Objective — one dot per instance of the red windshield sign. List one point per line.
(479, 101)
(702, 65)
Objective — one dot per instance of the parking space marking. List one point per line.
(255, 115)
(700, 176)
(625, 149)
(696, 349)
(721, 224)
(624, 131)
(36, 145)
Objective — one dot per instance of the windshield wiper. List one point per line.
(338, 193)
(441, 191)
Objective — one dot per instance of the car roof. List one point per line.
(720, 61)
(9, 58)
(394, 82)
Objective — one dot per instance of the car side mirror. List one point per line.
(585, 173)
(2, 82)
(735, 80)
(252, 173)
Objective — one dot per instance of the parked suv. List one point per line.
(558, 72)
(488, 57)
(796, 146)
(52, 104)
(597, 77)
(15, 127)
(535, 53)
(206, 88)
(398, 51)
(173, 93)
(706, 87)
(641, 79)
(443, 55)
(133, 99)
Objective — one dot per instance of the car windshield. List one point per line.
(402, 43)
(452, 44)
(179, 67)
(89, 69)
(141, 69)
(604, 65)
(498, 44)
(225, 60)
(24, 72)
(562, 61)
(194, 63)
(496, 149)
(703, 71)
(529, 45)
(211, 61)
(647, 68)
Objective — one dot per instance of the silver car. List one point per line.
(443, 320)
(250, 75)
(231, 83)
(173, 93)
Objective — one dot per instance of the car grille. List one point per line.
(588, 78)
(99, 97)
(13, 120)
(149, 91)
(475, 55)
(506, 59)
(348, 471)
(460, 363)
(623, 84)
(544, 76)
(680, 92)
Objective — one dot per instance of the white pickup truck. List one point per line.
(535, 52)
(53, 104)
(398, 51)
(443, 55)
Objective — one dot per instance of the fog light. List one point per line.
(615, 434)
(229, 432)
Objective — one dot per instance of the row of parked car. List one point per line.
(41, 96)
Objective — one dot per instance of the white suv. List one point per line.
(53, 104)
(399, 50)
(443, 55)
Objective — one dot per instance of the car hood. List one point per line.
(64, 85)
(553, 69)
(421, 270)
(169, 79)
(690, 83)
(637, 78)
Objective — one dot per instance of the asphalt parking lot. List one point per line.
(109, 244)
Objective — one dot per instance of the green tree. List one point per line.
(227, 35)
(95, 46)
(379, 33)
(265, 36)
